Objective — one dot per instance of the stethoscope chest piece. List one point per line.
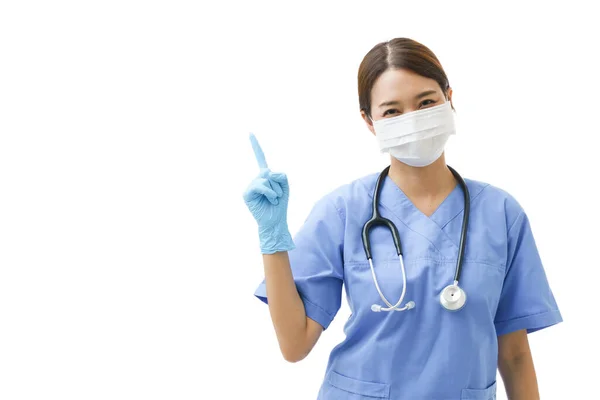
(453, 298)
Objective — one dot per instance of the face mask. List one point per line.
(417, 138)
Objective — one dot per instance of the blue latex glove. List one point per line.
(267, 199)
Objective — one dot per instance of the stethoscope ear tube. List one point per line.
(390, 306)
(378, 220)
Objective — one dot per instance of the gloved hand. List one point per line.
(267, 199)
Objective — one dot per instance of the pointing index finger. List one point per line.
(258, 153)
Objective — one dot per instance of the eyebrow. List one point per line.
(419, 96)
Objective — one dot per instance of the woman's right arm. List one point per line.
(267, 199)
(296, 333)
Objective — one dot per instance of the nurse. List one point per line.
(425, 351)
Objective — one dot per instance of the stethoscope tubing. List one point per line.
(377, 220)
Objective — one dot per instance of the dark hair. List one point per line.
(399, 53)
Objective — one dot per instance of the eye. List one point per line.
(427, 102)
(391, 111)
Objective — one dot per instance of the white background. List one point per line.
(128, 260)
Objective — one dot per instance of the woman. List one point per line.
(464, 314)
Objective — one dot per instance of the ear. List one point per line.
(368, 121)
(449, 95)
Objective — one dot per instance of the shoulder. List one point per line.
(353, 195)
(494, 200)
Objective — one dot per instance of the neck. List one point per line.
(422, 182)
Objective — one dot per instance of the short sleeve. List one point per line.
(317, 263)
(526, 301)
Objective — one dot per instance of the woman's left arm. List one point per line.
(516, 366)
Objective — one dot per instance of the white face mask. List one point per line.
(417, 138)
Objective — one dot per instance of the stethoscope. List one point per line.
(452, 297)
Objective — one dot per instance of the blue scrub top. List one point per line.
(427, 352)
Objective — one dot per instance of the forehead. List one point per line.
(400, 85)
